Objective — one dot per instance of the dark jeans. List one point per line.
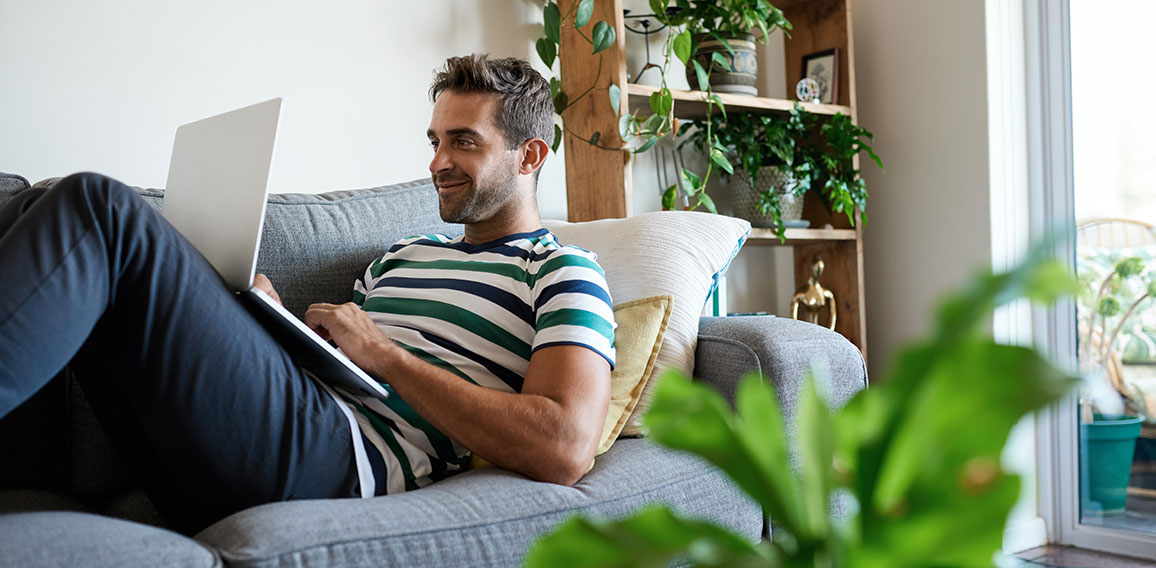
(194, 393)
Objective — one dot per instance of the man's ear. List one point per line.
(534, 153)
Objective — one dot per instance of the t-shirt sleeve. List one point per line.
(572, 303)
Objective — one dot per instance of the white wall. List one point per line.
(103, 85)
(922, 89)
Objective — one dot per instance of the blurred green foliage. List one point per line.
(918, 457)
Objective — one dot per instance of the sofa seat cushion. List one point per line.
(484, 517)
(80, 539)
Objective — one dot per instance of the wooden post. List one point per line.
(597, 180)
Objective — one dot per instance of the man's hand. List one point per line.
(353, 331)
(262, 283)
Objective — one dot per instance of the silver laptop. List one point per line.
(215, 196)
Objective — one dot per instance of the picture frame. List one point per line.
(823, 67)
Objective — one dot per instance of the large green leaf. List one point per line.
(652, 537)
(582, 15)
(603, 36)
(681, 46)
(552, 22)
(701, 75)
(615, 97)
(816, 451)
(547, 50)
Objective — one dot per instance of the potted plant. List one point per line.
(1108, 436)
(723, 40)
(781, 157)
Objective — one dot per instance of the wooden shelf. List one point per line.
(691, 104)
(768, 237)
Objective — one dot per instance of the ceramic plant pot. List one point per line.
(745, 197)
(744, 65)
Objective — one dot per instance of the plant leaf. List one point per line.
(816, 452)
(652, 537)
(668, 198)
(615, 97)
(718, 102)
(603, 36)
(557, 138)
(624, 126)
(681, 46)
(701, 75)
(552, 21)
(561, 101)
(547, 50)
(707, 202)
(594, 138)
(647, 145)
(720, 60)
(585, 10)
(721, 160)
(555, 87)
(658, 8)
(691, 183)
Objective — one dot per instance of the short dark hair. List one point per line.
(526, 110)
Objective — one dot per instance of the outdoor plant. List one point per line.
(917, 458)
(824, 162)
(1103, 316)
(640, 133)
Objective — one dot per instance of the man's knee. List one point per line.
(96, 189)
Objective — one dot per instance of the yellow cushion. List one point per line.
(637, 340)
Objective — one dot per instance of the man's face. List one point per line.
(474, 173)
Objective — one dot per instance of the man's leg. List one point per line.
(194, 393)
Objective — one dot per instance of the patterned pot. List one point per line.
(744, 65)
(745, 198)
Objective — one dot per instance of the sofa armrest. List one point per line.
(783, 350)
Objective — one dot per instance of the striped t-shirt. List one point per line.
(479, 312)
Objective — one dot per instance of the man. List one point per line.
(214, 414)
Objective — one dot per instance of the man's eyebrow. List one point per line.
(455, 132)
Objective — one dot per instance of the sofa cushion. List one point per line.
(485, 517)
(637, 341)
(11, 184)
(681, 253)
(79, 539)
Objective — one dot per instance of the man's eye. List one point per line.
(463, 142)
(433, 144)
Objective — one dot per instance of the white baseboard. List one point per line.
(1025, 535)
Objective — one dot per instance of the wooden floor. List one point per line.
(1067, 557)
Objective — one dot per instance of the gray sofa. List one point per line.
(66, 500)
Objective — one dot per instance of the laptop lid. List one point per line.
(216, 190)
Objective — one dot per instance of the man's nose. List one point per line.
(440, 161)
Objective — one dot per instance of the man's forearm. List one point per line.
(547, 436)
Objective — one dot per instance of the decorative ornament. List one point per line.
(807, 90)
(814, 297)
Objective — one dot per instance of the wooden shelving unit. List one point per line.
(692, 104)
(599, 181)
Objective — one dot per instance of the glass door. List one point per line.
(1113, 146)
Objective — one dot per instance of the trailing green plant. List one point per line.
(824, 162)
(640, 133)
(722, 18)
(917, 458)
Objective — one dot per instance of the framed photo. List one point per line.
(823, 67)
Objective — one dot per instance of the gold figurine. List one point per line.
(814, 296)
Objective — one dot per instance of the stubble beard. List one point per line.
(477, 202)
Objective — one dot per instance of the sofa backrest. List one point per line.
(315, 246)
